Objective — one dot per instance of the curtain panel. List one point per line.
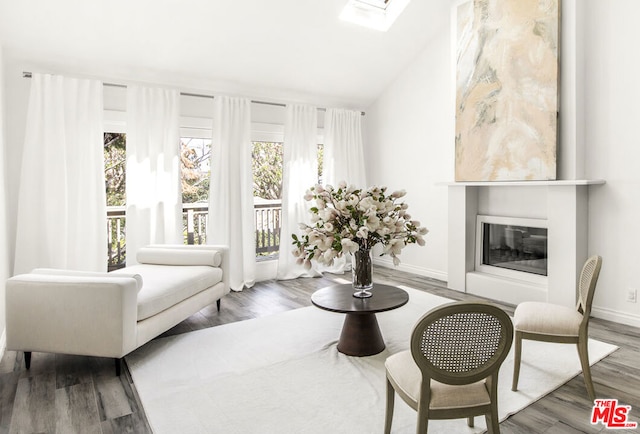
(343, 149)
(154, 194)
(4, 212)
(343, 160)
(300, 172)
(231, 188)
(61, 216)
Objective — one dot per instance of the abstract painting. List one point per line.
(506, 90)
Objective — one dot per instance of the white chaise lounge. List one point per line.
(112, 314)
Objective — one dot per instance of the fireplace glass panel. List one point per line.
(518, 248)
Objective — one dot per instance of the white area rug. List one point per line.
(282, 374)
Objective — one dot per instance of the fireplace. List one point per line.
(560, 207)
(512, 247)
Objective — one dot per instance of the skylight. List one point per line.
(381, 4)
(374, 14)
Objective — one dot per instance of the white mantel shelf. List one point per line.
(558, 183)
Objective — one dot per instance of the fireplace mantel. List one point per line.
(563, 204)
(558, 183)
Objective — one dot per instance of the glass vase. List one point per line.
(362, 272)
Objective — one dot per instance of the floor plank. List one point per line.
(34, 405)
(62, 393)
(112, 398)
(76, 409)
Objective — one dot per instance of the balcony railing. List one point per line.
(116, 246)
(268, 215)
(194, 222)
(267, 218)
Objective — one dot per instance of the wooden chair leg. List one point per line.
(388, 417)
(470, 422)
(423, 415)
(517, 351)
(583, 352)
(118, 363)
(218, 304)
(493, 427)
(27, 359)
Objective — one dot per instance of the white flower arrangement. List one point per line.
(347, 219)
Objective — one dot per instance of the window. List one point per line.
(195, 173)
(115, 184)
(266, 163)
(374, 14)
(195, 170)
(267, 170)
(195, 154)
(320, 162)
(114, 168)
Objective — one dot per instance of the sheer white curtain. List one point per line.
(300, 172)
(154, 195)
(61, 217)
(231, 188)
(343, 158)
(343, 150)
(4, 213)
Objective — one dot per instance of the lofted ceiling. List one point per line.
(277, 47)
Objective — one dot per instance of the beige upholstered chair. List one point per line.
(552, 323)
(451, 370)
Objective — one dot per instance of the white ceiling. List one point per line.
(277, 47)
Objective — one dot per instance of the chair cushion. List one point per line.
(166, 285)
(547, 318)
(406, 374)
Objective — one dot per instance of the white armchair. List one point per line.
(112, 314)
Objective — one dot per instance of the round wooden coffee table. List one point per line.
(360, 334)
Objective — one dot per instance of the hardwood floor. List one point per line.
(74, 394)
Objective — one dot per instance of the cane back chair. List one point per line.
(451, 370)
(549, 322)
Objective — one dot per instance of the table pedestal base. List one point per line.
(360, 335)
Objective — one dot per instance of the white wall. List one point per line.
(410, 145)
(4, 253)
(612, 91)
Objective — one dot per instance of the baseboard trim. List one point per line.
(421, 271)
(616, 316)
(602, 313)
